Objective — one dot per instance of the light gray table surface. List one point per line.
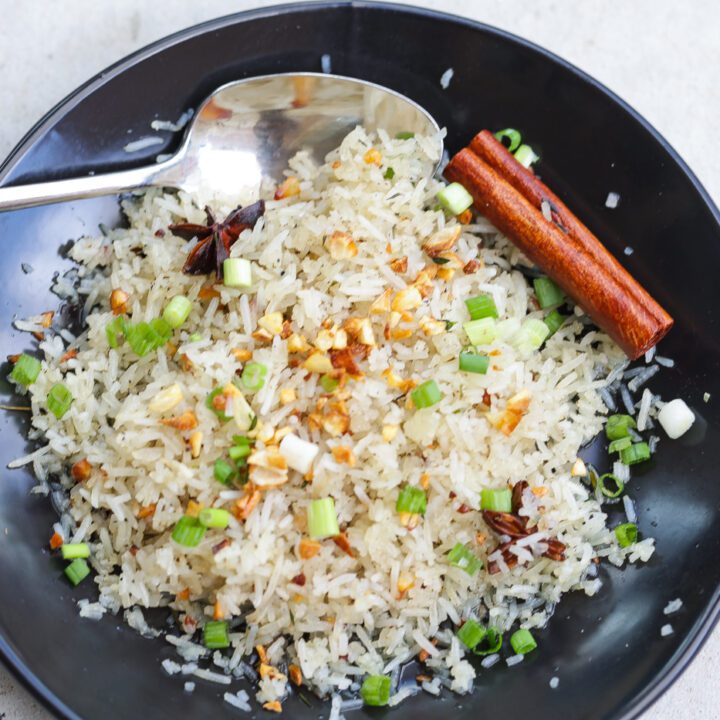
(661, 56)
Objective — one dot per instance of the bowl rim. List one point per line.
(705, 623)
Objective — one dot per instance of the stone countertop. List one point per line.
(659, 55)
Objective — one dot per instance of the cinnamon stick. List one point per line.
(510, 197)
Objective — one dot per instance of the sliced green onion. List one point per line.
(188, 531)
(253, 375)
(209, 404)
(497, 500)
(526, 156)
(214, 517)
(411, 500)
(59, 400)
(26, 370)
(547, 292)
(455, 198)
(195, 337)
(162, 332)
(471, 634)
(215, 635)
(522, 642)
(462, 557)
(554, 320)
(375, 690)
(618, 426)
(77, 571)
(223, 471)
(531, 335)
(626, 534)
(322, 519)
(389, 174)
(237, 273)
(405, 135)
(242, 441)
(481, 332)
(115, 327)
(328, 383)
(619, 444)
(490, 644)
(177, 311)
(70, 551)
(474, 363)
(142, 338)
(426, 395)
(512, 136)
(481, 306)
(609, 491)
(637, 453)
(239, 452)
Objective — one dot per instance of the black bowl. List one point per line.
(606, 651)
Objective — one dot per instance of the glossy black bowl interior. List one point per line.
(606, 651)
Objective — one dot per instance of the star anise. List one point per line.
(515, 526)
(216, 238)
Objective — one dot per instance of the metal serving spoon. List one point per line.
(248, 130)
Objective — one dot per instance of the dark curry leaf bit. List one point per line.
(216, 238)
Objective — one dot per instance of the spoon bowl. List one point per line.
(248, 130)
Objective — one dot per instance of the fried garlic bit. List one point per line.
(341, 246)
(360, 330)
(272, 322)
(184, 421)
(268, 468)
(442, 240)
(516, 407)
(118, 301)
(407, 299)
(289, 187)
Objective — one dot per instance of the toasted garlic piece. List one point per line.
(343, 454)
(373, 157)
(399, 265)
(297, 344)
(389, 432)
(407, 299)
(405, 582)
(272, 322)
(287, 188)
(185, 421)
(268, 468)
(325, 339)
(287, 395)
(424, 280)
(196, 444)
(118, 301)
(361, 330)
(318, 362)
(431, 327)
(166, 399)
(381, 304)
(241, 354)
(442, 240)
(308, 548)
(341, 246)
(516, 407)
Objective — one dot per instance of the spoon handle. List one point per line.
(25, 196)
